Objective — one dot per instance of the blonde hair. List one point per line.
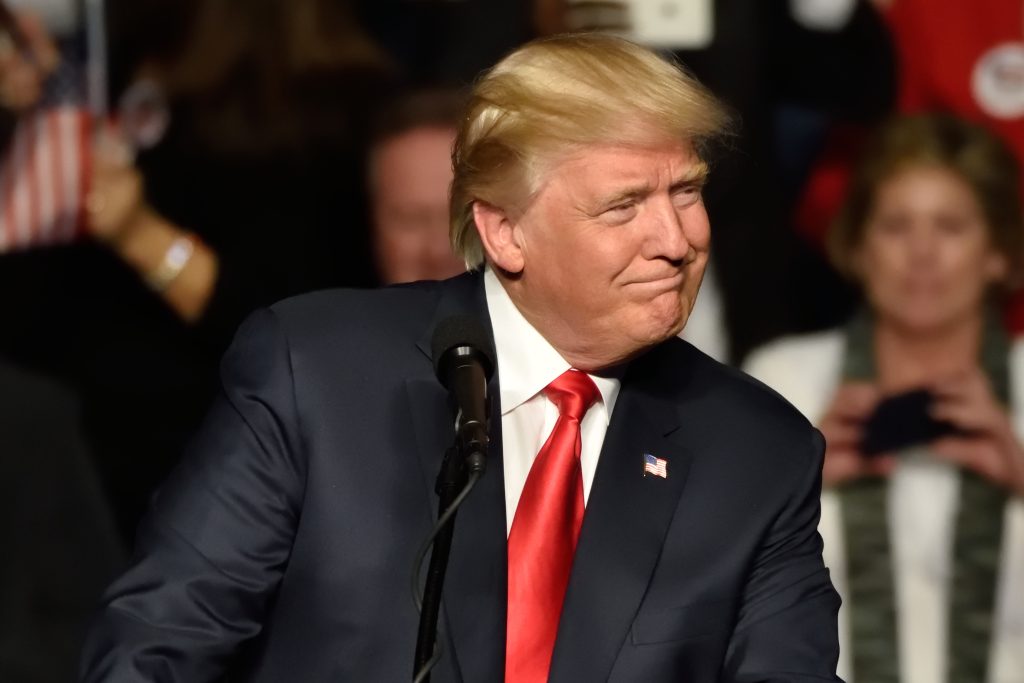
(554, 95)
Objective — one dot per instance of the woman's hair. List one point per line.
(295, 37)
(556, 95)
(268, 73)
(974, 154)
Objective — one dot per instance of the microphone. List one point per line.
(464, 362)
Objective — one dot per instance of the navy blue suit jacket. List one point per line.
(281, 549)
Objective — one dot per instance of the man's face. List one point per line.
(409, 178)
(613, 250)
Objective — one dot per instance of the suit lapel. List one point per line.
(475, 585)
(624, 528)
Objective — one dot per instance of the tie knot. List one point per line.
(573, 392)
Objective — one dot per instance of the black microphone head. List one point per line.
(461, 332)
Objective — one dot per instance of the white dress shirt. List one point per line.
(526, 364)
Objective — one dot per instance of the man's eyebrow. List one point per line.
(695, 175)
(634, 192)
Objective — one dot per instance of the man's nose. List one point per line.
(668, 238)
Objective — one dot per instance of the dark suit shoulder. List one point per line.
(739, 405)
(359, 314)
(359, 337)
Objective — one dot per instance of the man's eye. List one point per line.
(685, 196)
(621, 211)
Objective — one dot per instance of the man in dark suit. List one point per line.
(646, 515)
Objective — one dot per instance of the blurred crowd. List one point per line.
(168, 166)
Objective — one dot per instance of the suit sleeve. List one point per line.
(216, 541)
(786, 630)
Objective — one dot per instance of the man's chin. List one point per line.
(667, 323)
(654, 335)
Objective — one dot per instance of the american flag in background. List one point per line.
(44, 170)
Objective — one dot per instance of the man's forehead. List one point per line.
(674, 161)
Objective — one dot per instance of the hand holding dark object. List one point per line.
(903, 420)
(843, 429)
(27, 56)
(986, 443)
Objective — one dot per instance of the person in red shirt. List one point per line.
(966, 59)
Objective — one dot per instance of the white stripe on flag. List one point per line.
(46, 209)
(5, 191)
(20, 201)
(71, 165)
(31, 232)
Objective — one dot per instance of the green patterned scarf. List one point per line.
(871, 602)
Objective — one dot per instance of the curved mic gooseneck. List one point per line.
(464, 363)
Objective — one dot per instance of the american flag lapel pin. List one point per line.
(656, 466)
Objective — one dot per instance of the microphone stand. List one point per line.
(458, 476)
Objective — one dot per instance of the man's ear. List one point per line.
(499, 237)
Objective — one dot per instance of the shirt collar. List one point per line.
(526, 361)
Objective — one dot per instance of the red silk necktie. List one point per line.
(544, 532)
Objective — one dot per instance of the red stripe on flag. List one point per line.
(29, 231)
(45, 176)
(57, 171)
(6, 206)
(85, 139)
(19, 199)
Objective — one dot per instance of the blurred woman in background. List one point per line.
(925, 540)
(267, 110)
(239, 182)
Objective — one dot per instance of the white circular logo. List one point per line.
(998, 81)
